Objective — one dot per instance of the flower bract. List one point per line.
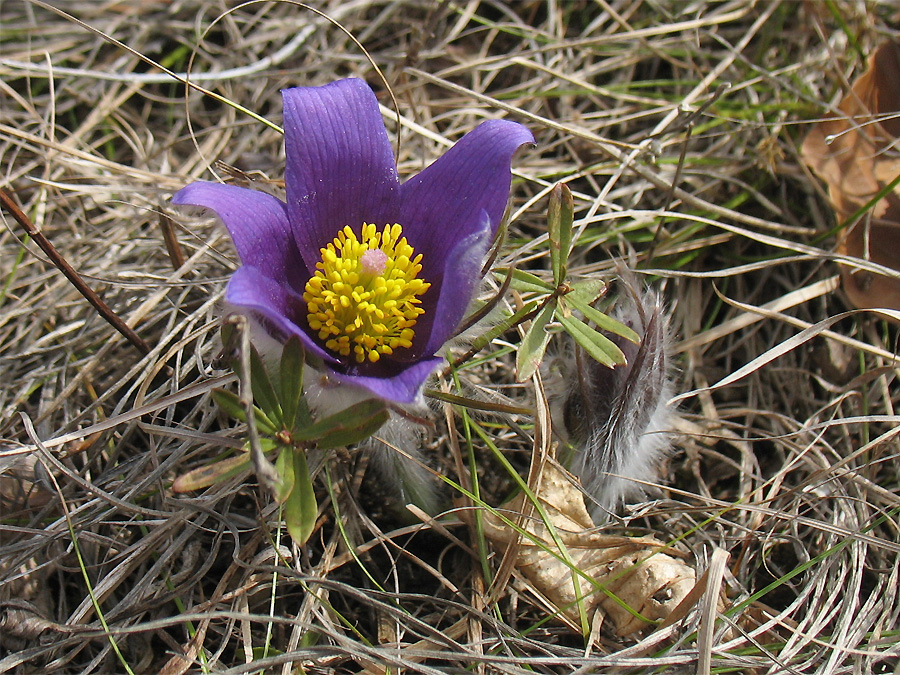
(373, 275)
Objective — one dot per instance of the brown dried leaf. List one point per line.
(857, 155)
(633, 569)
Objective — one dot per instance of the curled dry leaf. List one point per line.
(20, 619)
(20, 487)
(633, 569)
(857, 154)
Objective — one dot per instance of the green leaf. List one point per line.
(231, 404)
(293, 358)
(339, 421)
(310, 638)
(560, 214)
(300, 508)
(586, 290)
(603, 321)
(597, 345)
(527, 282)
(341, 437)
(265, 652)
(534, 344)
(343, 428)
(284, 466)
(204, 476)
(264, 394)
(229, 340)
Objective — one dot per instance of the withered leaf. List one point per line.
(857, 155)
(643, 583)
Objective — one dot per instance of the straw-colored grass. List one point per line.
(788, 465)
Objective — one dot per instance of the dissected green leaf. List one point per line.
(293, 358)
(284, 466)
(300, 508)
(361, 430)
(526, 282)
(560, 214)
(597, 345)
(586, 290)
(534, 344)
(231, 404)
(204, 476)
(604, 321)
(345, 420)
(265, 395)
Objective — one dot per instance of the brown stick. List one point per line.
(89, 294)
(173, 248)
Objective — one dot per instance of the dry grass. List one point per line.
(792, 468)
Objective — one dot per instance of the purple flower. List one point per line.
(373, 276)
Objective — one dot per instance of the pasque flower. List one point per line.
(372, 275)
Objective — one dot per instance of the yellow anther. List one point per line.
(363, 297)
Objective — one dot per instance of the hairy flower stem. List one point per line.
(560, 291)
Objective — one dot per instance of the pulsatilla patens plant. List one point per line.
(371, 275)
(357, 276)
(280, 423)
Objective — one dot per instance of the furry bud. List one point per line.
(616, 419)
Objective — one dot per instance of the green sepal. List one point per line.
(604, 321)
(231, 404)
(293, 406)
(300, 508)
(534, 344)
(597, 345)
(560, 215)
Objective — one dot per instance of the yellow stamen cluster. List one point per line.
(363, 297)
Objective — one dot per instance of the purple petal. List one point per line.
(401, 388)
(278, 306)
(458, 287)
(340, 166)
(258, 224)
(450, 213)
(447, 201)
